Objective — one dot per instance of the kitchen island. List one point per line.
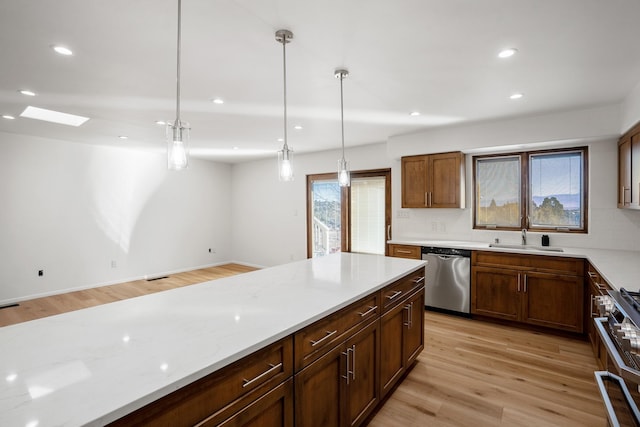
(94, 366)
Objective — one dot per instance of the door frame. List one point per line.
(345, 206)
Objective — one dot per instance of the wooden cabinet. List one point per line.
(538, 290)
(405, 251)
(629, 169)
(340, 388)
(597, 286)
(433, 181)
(401, 337)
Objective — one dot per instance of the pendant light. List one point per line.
(344, 177)
(285, 156)
(178, 132)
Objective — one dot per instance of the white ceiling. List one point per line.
(438, 57)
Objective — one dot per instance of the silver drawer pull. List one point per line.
(419, 280)
(315, 343)
(403, 251)
(592, 274)
(371, 310)
(247, 383)
(394, 294)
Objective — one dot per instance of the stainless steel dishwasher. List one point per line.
(448, 280)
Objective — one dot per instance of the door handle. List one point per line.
(348, 370)
(389, 232)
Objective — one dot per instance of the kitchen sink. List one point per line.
(526, 247)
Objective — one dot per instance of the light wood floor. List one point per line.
(471, 373)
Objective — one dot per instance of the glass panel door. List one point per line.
(368, 223)
(326, 218)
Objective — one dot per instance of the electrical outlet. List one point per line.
(434, 226)
(113, 263)
(403, 213)
(212, 250)
(442, 227)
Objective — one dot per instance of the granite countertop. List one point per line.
(93, 366)
(621, 269)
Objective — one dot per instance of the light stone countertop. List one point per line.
(92, 366)
(621, 269)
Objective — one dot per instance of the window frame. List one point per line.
(525, 186)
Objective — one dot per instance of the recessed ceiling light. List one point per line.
(62, 50)
(27, 92)
(123, 137)
(217, 100)
(161, 122)
(506, 53)
(53, 116)
(297, 127)
(516, 96)
(414, 113)
(8, 117)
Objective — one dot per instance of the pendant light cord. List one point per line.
(342, 113)
(284, 67)
(178, 124)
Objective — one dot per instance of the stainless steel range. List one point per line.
(618, 328)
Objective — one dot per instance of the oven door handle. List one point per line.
(601, 377)
(620, 366)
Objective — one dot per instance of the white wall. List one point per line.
(269, 217)
(631, 109)
(71, 209)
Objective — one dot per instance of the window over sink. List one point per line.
(535, 190)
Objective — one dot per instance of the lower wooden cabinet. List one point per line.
(405, 251)
(340, 388)
(401, 338)
(596, 286)
(536, 290)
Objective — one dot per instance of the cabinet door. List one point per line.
(624, 173)
(635, 171)
(443, 183)
(362, 387)
(553, 300)
(414, 328)
(320, 390)
(414, 182)
(391, 346)
(494, 292)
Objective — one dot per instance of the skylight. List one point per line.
(53, 116)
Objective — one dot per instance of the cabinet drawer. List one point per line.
(596, 281)
(199, 400)
(314, 340)
(405, 251)
(541, 263)
(400, 290)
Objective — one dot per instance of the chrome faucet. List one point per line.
(524, 236)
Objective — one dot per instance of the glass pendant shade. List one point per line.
(285, 164)
(177, 145)
(344, 176)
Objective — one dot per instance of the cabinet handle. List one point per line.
(315, 343)
(247, 383)
(593, 301)
(426, 198)
(395, 294)
(371, 310)
(518, 282)
(348, 370)
(353, 362)
(592, 274)
(408, 310)
(403, 251)
(418, 280)
(389, 232)
(430, 198)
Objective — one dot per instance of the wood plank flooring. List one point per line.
(471, 373)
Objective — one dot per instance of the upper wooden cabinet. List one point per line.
(433, 181)
(629, 169)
